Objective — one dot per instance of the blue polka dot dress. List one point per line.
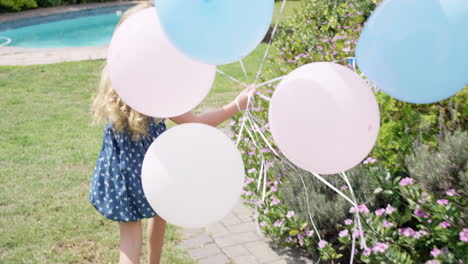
(116, 190)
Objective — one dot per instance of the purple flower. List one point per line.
(445, 224)
(288, 240)
(343, 187)
(386, 224)
(443, 201)
(408, 232)
(380, 212)
(451, 192)
(290, 214)
(362, 208)
(348, 222)
(263, 223)
(389, 210)
(322, 244)
(310, 233)
(369, 160)
(406, 181)
(357, 233)
(278, 223)
(274, 188)
(252, 170)
(464, 235)
(367, 252)
(433, 261)
(309, 21)
(421, 213)
(343, 233)
(380, 247)
(248, 180)
(265, 211)
(435, 252)
(274, 201)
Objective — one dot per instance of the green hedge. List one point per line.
(18, 5)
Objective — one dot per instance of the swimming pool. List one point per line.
(74, 29)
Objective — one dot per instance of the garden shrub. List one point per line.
(395, 228)
(16, 5)
(328, 31)
(442, 169)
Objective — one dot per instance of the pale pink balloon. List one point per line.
(151, 75)
(324, 118)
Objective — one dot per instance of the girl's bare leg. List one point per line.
(130, 242)
(156, 230)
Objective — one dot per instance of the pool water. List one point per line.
(88, 30)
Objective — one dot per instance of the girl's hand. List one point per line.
(243, 98)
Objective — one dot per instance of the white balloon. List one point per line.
(324, 118)
(192, 175)
(150, 74)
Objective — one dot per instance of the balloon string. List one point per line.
(259, 72)
(232, 78)
(243, 69)
(357, 220)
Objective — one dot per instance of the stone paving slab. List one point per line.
(235, 240)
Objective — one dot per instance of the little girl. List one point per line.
(116, 190)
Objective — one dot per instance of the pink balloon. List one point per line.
(151, 75)
(324, 118)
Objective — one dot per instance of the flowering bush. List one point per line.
(427, 230)
(395, 224)
(328, 31)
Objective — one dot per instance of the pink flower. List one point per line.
(248, 180)
(386, 224)
(362, 208)
(278, 223)
(290, 214)
(288, 240)
(266, 211)
(322, 244)
(274, 189)
(421, 213)
(252, 170)
(389, 210)
(380, 212)
(445, 224)
(367, 252)
(348, 222)
(451, 192)
(406, 181)
(309, 21)
(432, 262)
(343, 187)
(443, 201)
(310, 233)
(233, 122)
(369, 160)
(357, 233)
(408, 232)
(274, 201)
(343, 233)
(263, 224)
(464, 235)
(380, 247)
(435, 252)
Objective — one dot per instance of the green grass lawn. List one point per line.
(48, 149)
(289, 8)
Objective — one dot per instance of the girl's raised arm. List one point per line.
(218, 116)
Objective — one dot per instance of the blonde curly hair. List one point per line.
(109, 107)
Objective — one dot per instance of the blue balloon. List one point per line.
(215, 31)
(413, 49)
